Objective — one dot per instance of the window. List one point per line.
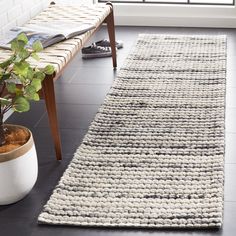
(196, 2)
(182, 13)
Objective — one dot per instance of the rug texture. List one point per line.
(154, 154)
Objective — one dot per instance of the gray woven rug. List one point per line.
(154, 154)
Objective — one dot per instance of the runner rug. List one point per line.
(154, 154)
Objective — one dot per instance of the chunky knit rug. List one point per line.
(154, 154)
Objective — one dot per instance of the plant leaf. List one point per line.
(30, 73)
(21, 104)
(23, 54)
(36, 97)
(21, 68)
(7, 62)
(35, 56)
(17, 45)
(49, 69)
(22, 37)
(37, 84)
(5, 76)
(39, 75)
(30, 91)
(11, 87)
(37, 46)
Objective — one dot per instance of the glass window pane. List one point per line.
(212, 1)
(121, 1)
(217, 2)
(169, 1)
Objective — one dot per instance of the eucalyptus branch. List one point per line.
(14, 69)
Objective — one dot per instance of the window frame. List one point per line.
(185, 2)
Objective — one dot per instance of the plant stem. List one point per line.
(2, 89)
(2, 133)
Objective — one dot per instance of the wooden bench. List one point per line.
(59, 55)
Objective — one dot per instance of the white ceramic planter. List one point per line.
(18, 172)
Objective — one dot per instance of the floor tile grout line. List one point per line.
(43, 115)
(69, 84)
(72, 77)
(62, 129)
(88, 83)
(83, 104)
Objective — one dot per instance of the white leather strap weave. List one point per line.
(59, 54)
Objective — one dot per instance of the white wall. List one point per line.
(17, 12)
(71, 2)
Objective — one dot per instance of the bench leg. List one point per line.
(111, 31)
(49, 96)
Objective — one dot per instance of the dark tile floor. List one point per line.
(80, 91)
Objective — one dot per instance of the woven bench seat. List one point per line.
(60, 54)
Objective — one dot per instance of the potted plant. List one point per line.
(20, 83)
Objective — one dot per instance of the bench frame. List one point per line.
(48, 86)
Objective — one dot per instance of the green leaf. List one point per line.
(17, 45)
(22, 37)
(7, 62)
(5, 76)
(21, 68)
(11, 87)
(31, 95)
(37, 46)
(37, 84)
(30, 73)
(39, 75)
(23, 54)
(49, 70)
(36, 97)
(21, 104)
(30, 91)
(35, 56)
